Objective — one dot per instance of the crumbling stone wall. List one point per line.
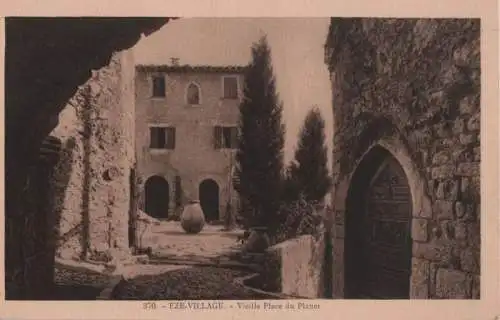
(41, 75)
(91, 182)
(416, 83)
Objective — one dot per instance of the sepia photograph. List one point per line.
(228, 158)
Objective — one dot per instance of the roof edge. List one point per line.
(190, 68)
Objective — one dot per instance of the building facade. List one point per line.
(406, 158)
(186, 134)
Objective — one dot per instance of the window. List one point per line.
(230, 87)
(162, 138)
(225, 137)
(158, 86)
(193, 94)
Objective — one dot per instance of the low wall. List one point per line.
(294, 267)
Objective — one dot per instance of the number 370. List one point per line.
(149, 306)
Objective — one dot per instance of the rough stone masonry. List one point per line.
(91, 183)
(413, 86)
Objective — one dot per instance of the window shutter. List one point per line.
(162, 139)
(217, 137)
(173, 138)
(170, 138)
(234, 137)
(153, 137)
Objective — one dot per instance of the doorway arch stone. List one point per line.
(420, 207)
(210, 199)
(157, 197)
(377, 229)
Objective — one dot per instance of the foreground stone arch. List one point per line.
(41, 75)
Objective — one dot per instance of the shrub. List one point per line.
(298, 218)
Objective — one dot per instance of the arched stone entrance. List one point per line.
(378, 245)
(209, 199)
(157, 197)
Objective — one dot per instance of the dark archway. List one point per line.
(157, 193)
(209, 199)
(41, 75)
(378, 230)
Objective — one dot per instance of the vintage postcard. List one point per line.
(232, 160)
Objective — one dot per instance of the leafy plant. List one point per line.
(299, 218)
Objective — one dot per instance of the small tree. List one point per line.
(259, 157)
(308, 174)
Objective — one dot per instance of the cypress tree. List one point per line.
(308, 174)
(259, 157)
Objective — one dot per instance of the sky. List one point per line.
(302, 77)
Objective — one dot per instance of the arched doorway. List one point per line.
(209, 199)
(378, 230)
(157, 197)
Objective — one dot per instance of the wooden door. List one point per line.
(380, 240)
(386, 238)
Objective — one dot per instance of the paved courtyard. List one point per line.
(168, 240)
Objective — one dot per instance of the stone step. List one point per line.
(201, 262)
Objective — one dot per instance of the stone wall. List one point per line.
(41, 75)
(412, 86)
(91, 182)
(294, 267)
(194, 158)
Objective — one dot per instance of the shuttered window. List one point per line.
(230, 85)
(225, 137)
(162, 138)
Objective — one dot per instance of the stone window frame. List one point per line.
(223, 97)
(161, 150)
(186, 100)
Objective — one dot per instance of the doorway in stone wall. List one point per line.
(157, 197)
(209, 199)
(378, 230)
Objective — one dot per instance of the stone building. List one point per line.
(91, 182)
(186, 129)
(406, 158)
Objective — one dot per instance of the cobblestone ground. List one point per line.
(196, 283)
(169, 240)
(77, 285)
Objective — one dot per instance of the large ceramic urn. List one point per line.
(192, 217)
(258, 240)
